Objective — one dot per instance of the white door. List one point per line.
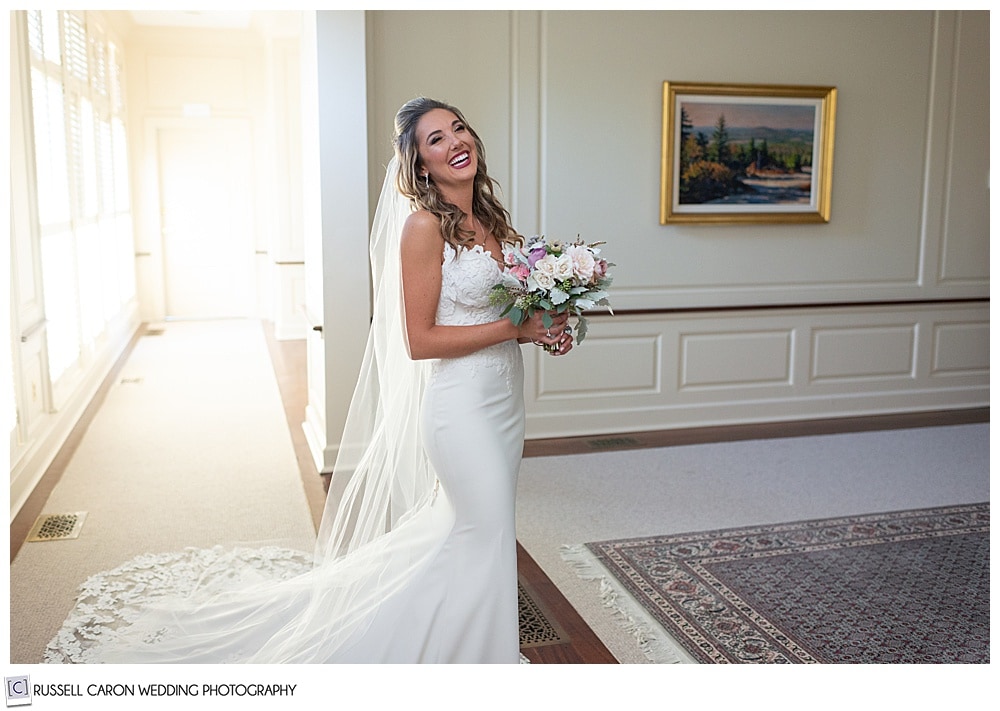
(206, 220)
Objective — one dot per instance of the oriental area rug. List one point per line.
(900, 587)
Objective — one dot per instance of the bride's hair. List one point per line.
(486, 207)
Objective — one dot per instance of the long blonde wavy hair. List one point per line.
(486, 207)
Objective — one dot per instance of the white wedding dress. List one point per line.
(416, 563)
(464, 609)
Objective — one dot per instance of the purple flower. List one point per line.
(535, 254)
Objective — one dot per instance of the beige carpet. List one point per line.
(191, 448)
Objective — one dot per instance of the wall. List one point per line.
(336, 241)
(883, 309)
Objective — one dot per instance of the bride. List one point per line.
(416, 560)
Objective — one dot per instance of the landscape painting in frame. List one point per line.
(746, 153)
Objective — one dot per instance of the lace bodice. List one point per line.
(466, 280)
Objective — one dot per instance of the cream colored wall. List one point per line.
(569, 105)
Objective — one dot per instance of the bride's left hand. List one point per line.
(562, 346)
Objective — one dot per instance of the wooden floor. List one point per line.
(566, 639)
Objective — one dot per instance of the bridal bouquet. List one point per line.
(552, 277)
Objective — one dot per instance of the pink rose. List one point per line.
(521, 271)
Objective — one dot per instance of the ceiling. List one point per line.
(270, 23)
(192, 18)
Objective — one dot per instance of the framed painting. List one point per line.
(738, 153)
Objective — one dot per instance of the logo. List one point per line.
(18, 691)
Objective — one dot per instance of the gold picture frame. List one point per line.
(771, 161)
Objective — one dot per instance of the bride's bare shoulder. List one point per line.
(423, 220)
(424, 228)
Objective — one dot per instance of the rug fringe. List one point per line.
(629, 614)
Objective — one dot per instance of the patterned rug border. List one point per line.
(695, 593)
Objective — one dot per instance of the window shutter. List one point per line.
(115, 79)
(98, 62)
(81, 170)
(51, 169)
(75, 41)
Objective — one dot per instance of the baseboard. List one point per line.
(760, 430)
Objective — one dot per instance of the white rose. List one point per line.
(563, 268)
(546, 265)
(583, 263)
(542, 279)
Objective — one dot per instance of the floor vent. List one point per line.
(131, 381)
(57, 527)
(613, 442)
(536, 629)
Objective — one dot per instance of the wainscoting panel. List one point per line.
(656, 371)
(635, 369)
(961, 349)
(872, 352)
(34, 370)
(288, 301)
(734, 359)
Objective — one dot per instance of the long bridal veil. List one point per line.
(373, 540)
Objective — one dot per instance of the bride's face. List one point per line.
(446, 146)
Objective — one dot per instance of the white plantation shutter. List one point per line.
(115, 78)
(99, 63)
(75, 47)
(51, 169)
(43, 36)
(106, 167)
(81, 169)
(119, 156)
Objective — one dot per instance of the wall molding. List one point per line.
(664, 370)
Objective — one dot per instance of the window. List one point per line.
(81, 170)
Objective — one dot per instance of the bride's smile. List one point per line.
(462, 160)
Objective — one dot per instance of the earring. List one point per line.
(427, 180)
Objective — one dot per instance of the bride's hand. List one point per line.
(563, 346)
(556, 339)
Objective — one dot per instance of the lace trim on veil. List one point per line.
(115, 599)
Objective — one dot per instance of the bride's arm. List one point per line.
(422, 248)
